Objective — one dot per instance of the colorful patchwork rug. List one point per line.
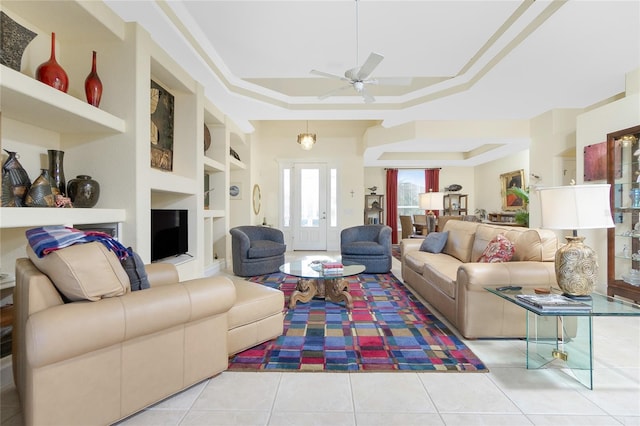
(387, 329)
(395, 251)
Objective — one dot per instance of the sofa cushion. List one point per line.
(363, 248)
(434, 242)
(499, 249)
(460, 240)
(265, 248)
(83, 271)
(134, 267)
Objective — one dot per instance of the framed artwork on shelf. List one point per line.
(161, 132)
(235, 191)
(595, 161)
(510, 180)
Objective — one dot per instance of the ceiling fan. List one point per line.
(358, 77)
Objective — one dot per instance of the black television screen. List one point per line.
(169, 233)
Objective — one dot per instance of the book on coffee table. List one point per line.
(552, 302)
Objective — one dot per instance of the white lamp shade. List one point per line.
(431, 200)
(576, 207)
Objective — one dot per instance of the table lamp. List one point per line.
(576, 207)
(431, 201)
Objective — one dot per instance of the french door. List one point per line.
(309, 212)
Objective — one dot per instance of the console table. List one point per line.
(545, 344)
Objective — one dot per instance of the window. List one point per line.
(410, 184)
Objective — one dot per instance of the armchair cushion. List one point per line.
(265, 248)
(364, 248)
(84, 271)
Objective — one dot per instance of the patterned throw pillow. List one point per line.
(499, 249)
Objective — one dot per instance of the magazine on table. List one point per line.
(553, 302)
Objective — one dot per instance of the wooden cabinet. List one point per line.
(455, 204)
(623, 241)
(373, 209)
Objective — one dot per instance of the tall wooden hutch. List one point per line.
(623, 241)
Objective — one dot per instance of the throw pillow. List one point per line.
(134, 267)
(83, 271)
(434, 242)
(499, 249)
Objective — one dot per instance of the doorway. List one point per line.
(309, 213)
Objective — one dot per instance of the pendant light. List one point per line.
(307, 140)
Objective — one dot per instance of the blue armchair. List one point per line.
(256, 250)
(368, 245)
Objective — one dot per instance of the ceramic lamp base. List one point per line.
(576, 267)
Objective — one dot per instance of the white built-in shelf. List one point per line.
(170, 182)
(30, 101)
(237, 165)
(213, 213)
(17, 217)
(213, 165)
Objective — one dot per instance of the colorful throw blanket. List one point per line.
(46, 239)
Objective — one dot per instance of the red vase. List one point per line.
(93, 85)
(51, 73)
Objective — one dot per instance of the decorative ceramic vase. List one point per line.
(14, 38)
(93, 85)
(51, 73)
(56, 170)
(207, 138)
(15, 182)
(40, 194)
(576, 267)
(83, 191)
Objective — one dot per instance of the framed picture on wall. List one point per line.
(161, 131)
(510, 180)
(595, 161)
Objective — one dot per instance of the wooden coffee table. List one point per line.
(313, 283)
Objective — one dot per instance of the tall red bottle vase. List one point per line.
(93, 85)
(51, 73)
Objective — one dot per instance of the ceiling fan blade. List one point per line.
(367, 96)
(333, 92)
(326, 74)
(370, 64)
(391, 81)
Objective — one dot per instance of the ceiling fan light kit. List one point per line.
(358, 77)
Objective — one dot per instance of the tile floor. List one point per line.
(508, 395)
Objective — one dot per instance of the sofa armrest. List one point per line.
(475, 276)
(73, 329)
(409, 244)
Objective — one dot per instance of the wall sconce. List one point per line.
(307, 140)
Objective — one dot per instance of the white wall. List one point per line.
(487, 181)
(593, 127)
(339, 144)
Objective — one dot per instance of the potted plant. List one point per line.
(522, 215)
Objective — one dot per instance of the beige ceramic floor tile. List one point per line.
(404, 419)
(557, 420)
(314, 392)
(485, 419)
(239, 391)
(225, 418)
(281, 418)
(392, 392)
(184, 400)
(466, 393)
(543, 392)
(155, 418)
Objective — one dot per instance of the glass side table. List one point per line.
(566, 335)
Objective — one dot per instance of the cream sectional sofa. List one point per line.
(96, 362)
(453, 282)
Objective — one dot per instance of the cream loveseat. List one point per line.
(453, 282)
(96, 362)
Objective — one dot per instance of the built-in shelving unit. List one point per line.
(111, 143)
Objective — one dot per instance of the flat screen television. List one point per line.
(169, 233)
